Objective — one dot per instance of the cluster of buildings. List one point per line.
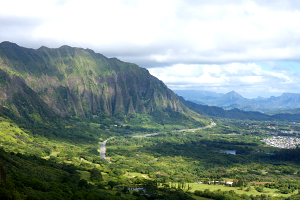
(289, 132)
(273, 131)
(258, 131)
(217, 182)
(282, 142)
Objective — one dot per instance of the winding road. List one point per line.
(103, 149)
(146, 135)
(212, 124)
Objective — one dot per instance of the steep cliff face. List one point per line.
(16, 97)
(79, 82)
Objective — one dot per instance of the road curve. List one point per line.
(183, 130)
(146, 135)
(212, 124)
(103, 149)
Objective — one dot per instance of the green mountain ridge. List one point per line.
(79, 82)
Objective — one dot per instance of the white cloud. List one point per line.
(210, 39)
(107, 23)
(166, 31)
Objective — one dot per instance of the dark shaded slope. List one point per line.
(17, 96)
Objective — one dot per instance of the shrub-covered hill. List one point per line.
(75, 82)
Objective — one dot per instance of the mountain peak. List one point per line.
(233, 94)
(7, 44)
(230, 98)
(66, 46)
(289, 94)
(259, 98)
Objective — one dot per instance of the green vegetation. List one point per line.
(286, 111)
(50, 136)
(173, 160)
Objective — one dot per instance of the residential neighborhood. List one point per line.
(283, 142)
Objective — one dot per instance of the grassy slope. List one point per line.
(267, 191)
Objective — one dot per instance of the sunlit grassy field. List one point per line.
(134, 174)
(85, 175)
(267, 191)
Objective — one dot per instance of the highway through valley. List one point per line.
(103, 144)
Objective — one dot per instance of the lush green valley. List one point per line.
(171, 160)
(58, 105)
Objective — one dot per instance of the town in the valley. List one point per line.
(280, 134)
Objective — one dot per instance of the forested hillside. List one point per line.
(39, 85)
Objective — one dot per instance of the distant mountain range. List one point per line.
(232, 100)
(292, 115)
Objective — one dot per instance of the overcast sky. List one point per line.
(252, 47)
